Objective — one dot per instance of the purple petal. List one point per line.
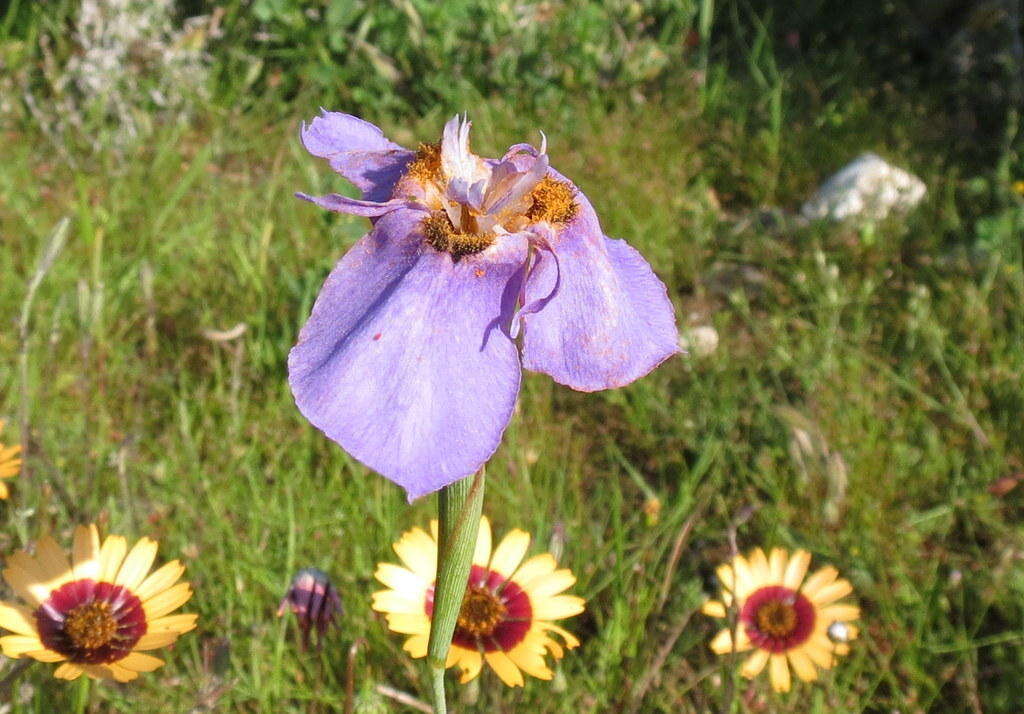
(406, 359)
(608, 323)
(344, 204)
(357, 150)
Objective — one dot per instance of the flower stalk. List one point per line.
(459, 506)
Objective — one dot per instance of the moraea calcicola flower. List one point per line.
(410, 358)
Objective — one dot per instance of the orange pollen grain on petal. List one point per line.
(441, 235)
(554, 201)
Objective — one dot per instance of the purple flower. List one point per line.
(410, 358)
(314, 601)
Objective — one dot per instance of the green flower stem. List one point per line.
(459, 505)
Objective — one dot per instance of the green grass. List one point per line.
(900, 346)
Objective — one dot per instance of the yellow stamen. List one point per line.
(481, 612)
(776, 619)
(90, 626)
(427, 164)
(442, 236)
(553, 201)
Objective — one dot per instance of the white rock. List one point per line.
(700, 341)
(867, 187)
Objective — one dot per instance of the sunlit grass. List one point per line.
(897, 350)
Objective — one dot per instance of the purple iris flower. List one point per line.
(473, 269)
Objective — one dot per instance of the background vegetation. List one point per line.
(865, 400)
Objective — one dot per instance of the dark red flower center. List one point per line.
(90, 622)
(496, 613)
(777, 618)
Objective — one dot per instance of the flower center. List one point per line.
(91, 622)
(481, 612)
(776, 618)
(444, 237)
(553, 201)
(90, 626)
(427, 164)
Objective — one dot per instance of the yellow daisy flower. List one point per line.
(10, 463)
(786, 619)
(97, 612)
(507, 612)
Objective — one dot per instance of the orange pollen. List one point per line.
(554, 201)
(442, 236)
(776, 618)
(427, 164)
(481, 612)
(90, 625)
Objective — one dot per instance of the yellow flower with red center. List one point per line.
(787, 619)
(507, 613)
(10, 463)
(97, 612)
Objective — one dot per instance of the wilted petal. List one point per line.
(609, 321)
(357, 150)
(406, 361)
(343, 204)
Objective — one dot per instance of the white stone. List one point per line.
(867, 187)
(700, 341)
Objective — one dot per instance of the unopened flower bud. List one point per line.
(314, 601)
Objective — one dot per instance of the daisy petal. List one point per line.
(170, 599)
(482, 552)
(112, 555)
(530, 660)
(510, 551)
(753, 665)
(86, 552)
(535, 567)
(137, 564)
(52, 562)
(802, 664)
(68, 671)
(416, 646)
(161, 579)
(777, 565)
(504, 668)
(470, 664)
(558, 607)
(831, 592)
(138, 662)
(17, 619)
(399, 578)
(779, 672)
(176, 623)
(818, 580)
(839, 613)
(156, 640)
(796, 569)
(714, 608)
(552, 584)
(419, 553)
(45, 656)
